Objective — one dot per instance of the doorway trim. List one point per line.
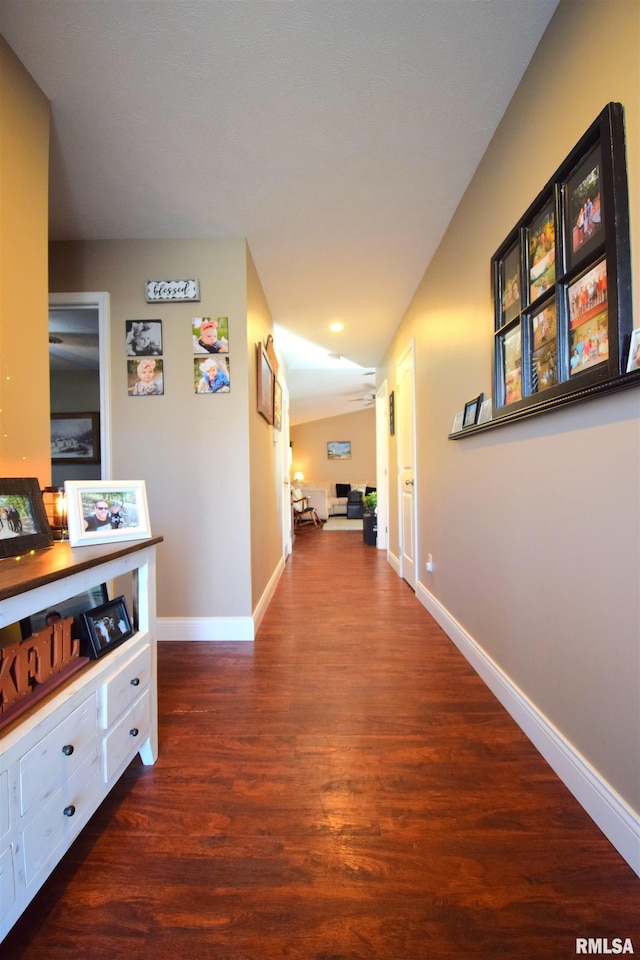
(382, 465)
(407, 405)
(99, 302)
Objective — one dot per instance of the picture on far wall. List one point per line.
(145, 377)
(144, 338)
(210, 334)
(75, 438)
(211, 375)
(339, 450)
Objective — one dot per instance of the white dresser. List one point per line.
(60, 758)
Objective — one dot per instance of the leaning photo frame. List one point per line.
(103, 511)
(107, 626)
(23, 520)
(264, 384)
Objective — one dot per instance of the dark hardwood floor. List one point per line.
(345, 788)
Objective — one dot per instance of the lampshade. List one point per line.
(298, 475)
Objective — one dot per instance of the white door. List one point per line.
(405, 405)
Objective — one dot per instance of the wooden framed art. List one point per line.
(561, 284)
(23, 521)
(75, 438)
(339, 449)
(264, 383)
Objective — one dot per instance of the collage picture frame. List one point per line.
(561, 282)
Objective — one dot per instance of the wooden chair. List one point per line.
(303, 512)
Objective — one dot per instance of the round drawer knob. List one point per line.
(69, 811)
(135, 682)
(134, 732)
(68, 749)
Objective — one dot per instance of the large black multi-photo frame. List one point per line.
(561, 283)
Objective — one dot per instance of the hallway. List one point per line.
(346, 788)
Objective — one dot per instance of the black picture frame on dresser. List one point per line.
(108, 626)
(23, 521)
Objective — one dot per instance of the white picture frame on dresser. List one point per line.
(102, 511)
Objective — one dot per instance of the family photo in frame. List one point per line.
(102, 511)
(23, 519)
(107, 626)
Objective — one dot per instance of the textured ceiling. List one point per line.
(337, 136)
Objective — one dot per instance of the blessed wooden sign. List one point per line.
(168, 291)
(37, 660)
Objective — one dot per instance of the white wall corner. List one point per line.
(617, 820)
(219, 629)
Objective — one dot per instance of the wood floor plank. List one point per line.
(345, 788)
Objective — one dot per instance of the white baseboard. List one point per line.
(205, 628)
(393, 561)
(215, 629)
(617, 820)
(267, 594)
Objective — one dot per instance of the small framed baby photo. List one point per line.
(145, 377)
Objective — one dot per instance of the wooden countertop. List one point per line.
(18, 574)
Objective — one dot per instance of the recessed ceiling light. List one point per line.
(336, 327)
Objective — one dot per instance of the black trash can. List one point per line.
(370, 529)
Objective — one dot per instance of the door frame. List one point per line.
(382, 465)
(99, 302)
(408, 355)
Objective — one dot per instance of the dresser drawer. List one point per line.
(7, 881)
(61, 818)
(126, 686)
(46, 766)
(127, 737)
(5, 817)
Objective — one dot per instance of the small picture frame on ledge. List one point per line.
(633, 363)
(108, 626)
(472, 411)
(486, 411)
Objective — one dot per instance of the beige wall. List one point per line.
(266, 485)
(534, 527)
(310, 449)
(193, 451)
(24, 354)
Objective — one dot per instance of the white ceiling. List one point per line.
(337, 136)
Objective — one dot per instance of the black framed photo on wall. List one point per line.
(561, 283)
